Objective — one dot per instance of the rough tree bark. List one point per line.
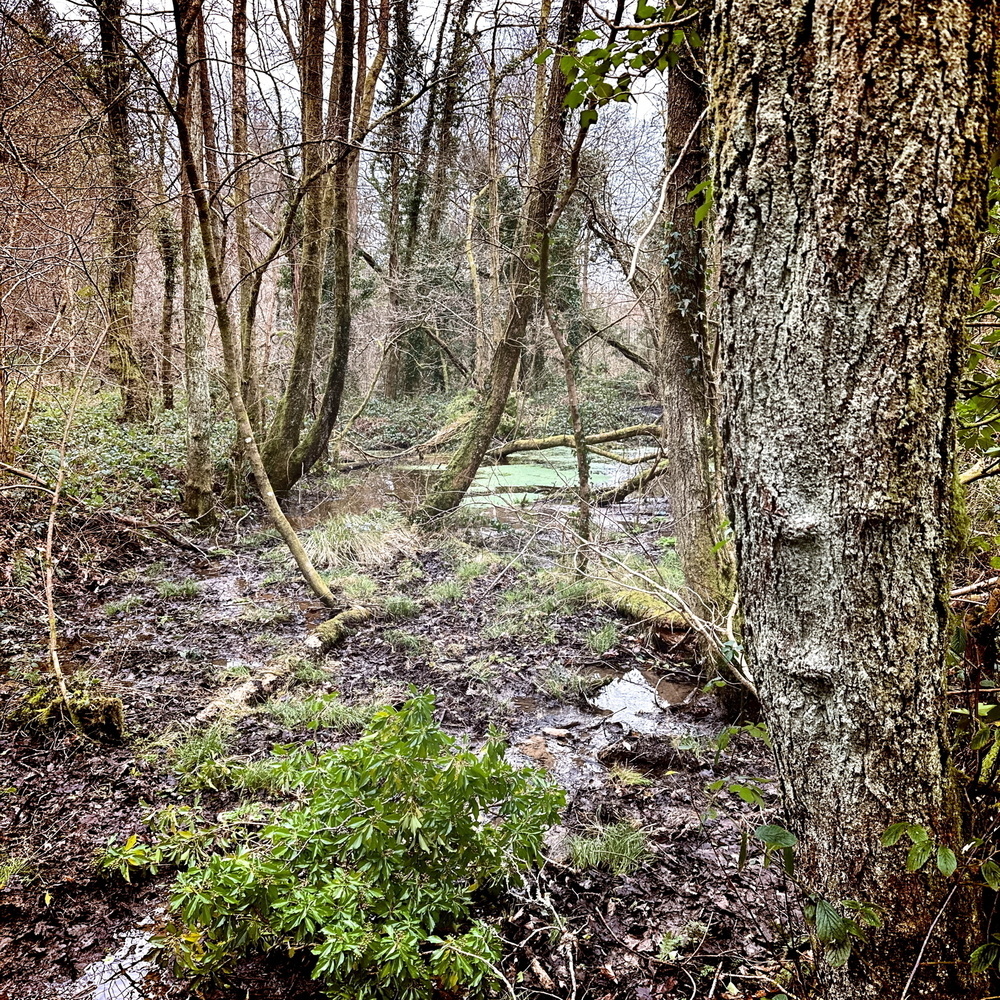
(123, 215)
(684, 356)
(850, 167)
(543, 187)
(286, 426)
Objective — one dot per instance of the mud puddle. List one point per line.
(128, 973)
(567, 742)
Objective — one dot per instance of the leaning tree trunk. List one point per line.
(850, 164)
(543, 186)
(684, 355)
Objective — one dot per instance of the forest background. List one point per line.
(257, 249)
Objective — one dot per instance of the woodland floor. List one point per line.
(492, 657)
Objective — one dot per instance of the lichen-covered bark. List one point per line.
(850, 166)
(684, 356)
(123, 216)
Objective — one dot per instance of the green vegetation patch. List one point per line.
(619, 849)
(371, 867)
(374, 538)
(327, 711)
(184, 590)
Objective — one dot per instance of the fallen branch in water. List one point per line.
(616, 494)
(567, 441)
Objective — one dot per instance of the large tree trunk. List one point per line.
(850, 165)
(543, 186)
(286, 427)
(684, 355)
(199, 500)
(124, 216)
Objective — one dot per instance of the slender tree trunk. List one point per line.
(199, 501)
(684, 356)
(313, 444)
(186, 13)
(543, 186)
(351, 100)
(251, 387)
(850, 167)
(401, 62)
(169, 243)
(286, 427)
(124, 217)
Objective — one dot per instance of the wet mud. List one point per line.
(627, 731)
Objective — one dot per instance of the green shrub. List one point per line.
(373, 866)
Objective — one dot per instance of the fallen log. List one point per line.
(334, 629)
(648, 610)
(250, 690)
(567, 441)
(616, 494)
(322, 638)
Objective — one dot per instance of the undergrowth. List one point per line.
(372, 865)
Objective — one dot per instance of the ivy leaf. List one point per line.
(588, 117)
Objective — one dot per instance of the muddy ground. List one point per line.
(577, 691)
